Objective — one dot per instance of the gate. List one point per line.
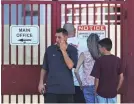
(21, 64)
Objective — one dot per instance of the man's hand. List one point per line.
(41, 88)
(63, 45)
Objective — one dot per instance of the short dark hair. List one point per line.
(62, 30)
(106, 43)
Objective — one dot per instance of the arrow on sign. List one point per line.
(24, 40)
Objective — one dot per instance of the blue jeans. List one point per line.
(100, 99)
(89, 93)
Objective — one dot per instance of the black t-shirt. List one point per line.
(107, 69)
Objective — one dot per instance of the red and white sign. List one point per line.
(85, 30)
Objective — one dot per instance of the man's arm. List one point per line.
(121, 78)
(72, 58)
(76, 71)
(41, 81)
(43, 73)
(68, 60)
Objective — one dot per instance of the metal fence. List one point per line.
(21, 64)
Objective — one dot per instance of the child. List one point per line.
(107, 69)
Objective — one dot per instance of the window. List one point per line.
(69, 11)
(83, 10)
(76, 11)
(76, 18)
(28, 10)
(112, 14)
(69, 18)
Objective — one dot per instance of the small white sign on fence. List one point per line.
(24, 35)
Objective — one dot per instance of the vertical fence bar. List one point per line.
(59, 12)
(31, 24)
(101, 14)
(54, 20)
(73, 14)
(87, 14)
(38, 99)
(9, 99)
(31, 99)
(108, 20)
(94, 14)
(24, 99)
(65, 13)
(2, 35)
(123, 42)
(9, 31)
(116, 29)
(39, 28)
(16, 24)
(17, 99)
(2, 98)
(46, 26)
(24, 22)
(79, 14)
(123, 32)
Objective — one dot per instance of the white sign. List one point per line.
(24, 35)
(85, 30)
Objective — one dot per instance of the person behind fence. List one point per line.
(73, 40)
(59, 59)
(87, 59)
(107, 69)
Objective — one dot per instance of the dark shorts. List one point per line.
(59, 98)
(78, 96)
